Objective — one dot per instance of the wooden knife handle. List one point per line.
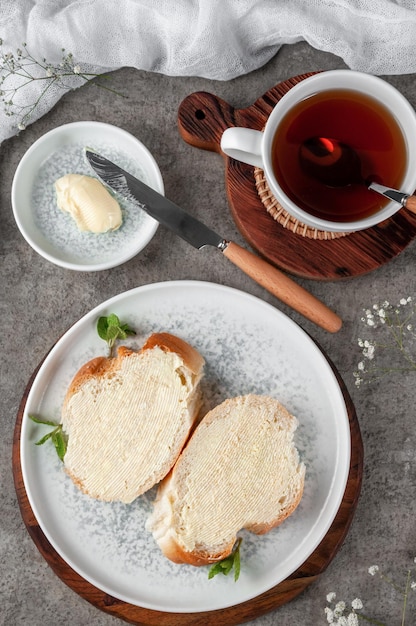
(410, 204)
(283, 287)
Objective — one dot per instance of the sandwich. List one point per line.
(128, 417)
(239, 470)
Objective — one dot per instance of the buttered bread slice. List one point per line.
(127, 418)
(240, 469)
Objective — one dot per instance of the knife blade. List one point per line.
(199, 235)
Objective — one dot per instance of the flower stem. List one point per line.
(370, 619)
(406, 594)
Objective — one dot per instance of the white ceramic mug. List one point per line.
(255, 147)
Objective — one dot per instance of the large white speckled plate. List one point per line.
(249, 347)
(53, 233)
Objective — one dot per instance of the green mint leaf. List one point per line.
(45, 438)
(39, 420)
(226, 565)
(127, 330)
(110, 329)
(57, 436)
(102, 327)
(113, 320)
(222, 567)
(113, 333)
(237, 563)
(214, 570)
(59, 442)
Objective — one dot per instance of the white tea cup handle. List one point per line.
(243, 144)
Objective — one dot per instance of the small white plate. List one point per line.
(249, 347)
(53, 233)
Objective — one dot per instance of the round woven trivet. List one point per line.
(275, 209)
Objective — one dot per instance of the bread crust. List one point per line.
(171, 343)
(95, 368)
(175, 553)
(102, 366)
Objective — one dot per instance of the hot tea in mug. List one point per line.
(356, 120)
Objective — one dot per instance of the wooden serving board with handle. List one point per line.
(246, 611)
(203, 117)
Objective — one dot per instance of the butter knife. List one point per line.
(199, 235)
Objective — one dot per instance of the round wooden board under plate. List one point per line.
(246, 611)
(203, 117)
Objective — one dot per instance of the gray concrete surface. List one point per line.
(40, 301)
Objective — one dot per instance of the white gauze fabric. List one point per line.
(216, 39)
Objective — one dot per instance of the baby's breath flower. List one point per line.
(339, 608)
(397, 336)
(17, 71)
(329, 615)
(369, 317)
(340, 617)
(368, 351)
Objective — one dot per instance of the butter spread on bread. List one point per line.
(127, 418)
(240, 469)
